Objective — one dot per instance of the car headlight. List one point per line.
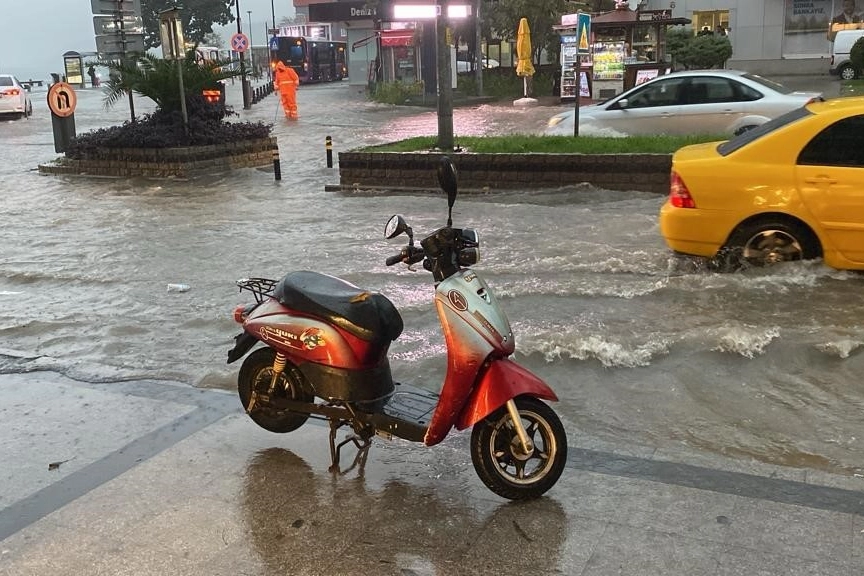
(555, 120)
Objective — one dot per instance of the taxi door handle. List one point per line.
(820, 180)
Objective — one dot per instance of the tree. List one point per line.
(198, 17)
(501, 20)
(213, 39)
(156, 79)
(856, 56)
(692, 52)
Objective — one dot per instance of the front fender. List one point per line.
(503, 380)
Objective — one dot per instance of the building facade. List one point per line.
(768, 36)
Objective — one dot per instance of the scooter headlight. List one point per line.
(469, 256)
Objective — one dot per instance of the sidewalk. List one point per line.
(154, 478)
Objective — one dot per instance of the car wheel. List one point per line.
(847, 72)
(744, 129)
(765, 243)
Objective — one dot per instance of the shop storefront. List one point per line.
(626, 47)
(359, 23)
(768, 36)
(399, 56)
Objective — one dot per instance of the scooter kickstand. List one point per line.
(361, 443)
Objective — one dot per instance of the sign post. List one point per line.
(62, 101)
(583, 46)
(242, 41)
(119, 30)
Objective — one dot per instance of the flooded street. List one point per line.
(646, 353)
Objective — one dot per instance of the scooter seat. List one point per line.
(367, 315)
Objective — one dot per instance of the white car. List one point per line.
(692, 102)
(464, 65)
(14, 98)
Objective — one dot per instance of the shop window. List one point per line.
(711, 22)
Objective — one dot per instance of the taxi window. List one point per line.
(738, 142)
(840, 144)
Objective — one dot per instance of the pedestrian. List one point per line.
(286, 84)
(94, 80)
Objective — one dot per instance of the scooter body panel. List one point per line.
(337, 364)
(306, 339)
(503, 380)
(475, 328)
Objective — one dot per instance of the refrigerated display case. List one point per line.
(609, 60)
(571, 60)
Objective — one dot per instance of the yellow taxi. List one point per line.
(790, 189)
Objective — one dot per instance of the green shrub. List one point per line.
(696, 52)
(856, 56)
(396, 92)
(503, 82)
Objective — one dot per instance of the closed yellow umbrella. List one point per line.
(524, 66)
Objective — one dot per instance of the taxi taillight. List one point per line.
(240, 314)
(679, 195)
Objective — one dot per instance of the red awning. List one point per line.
(397, 38)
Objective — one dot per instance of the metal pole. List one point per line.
(577, 74)
(179, 59)
(244, 83)
(251, 52)
(445, 86)
(478, 57)
(270, 59)
(123, 45)
(273, 16)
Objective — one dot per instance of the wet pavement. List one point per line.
(152, 476)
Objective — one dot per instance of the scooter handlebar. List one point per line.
(409, 255)
(394, 259)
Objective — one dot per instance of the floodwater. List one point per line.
(643, 349)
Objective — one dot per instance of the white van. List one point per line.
(840, 63)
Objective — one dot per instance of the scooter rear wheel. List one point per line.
(500, 461)
(256, 373)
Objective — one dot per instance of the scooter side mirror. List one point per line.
(395, 226)
(447, 179)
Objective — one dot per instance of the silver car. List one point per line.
(14, 98)
(691, 102)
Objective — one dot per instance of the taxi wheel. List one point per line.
(768, 242)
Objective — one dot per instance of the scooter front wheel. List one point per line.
(256, 373)
(502, 464)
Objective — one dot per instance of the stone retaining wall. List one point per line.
(416, 170)
(185, 162)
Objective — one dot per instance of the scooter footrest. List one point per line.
(412, 404)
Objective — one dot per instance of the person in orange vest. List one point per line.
(287, 82)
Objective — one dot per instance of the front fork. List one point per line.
(527, 444)
(278, 368)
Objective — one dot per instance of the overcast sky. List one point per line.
(35, 34)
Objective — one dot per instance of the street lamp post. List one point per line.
(251, 51)
(174, 48)
(445, 87)
(270, 44)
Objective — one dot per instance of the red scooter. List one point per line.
(325, 356)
